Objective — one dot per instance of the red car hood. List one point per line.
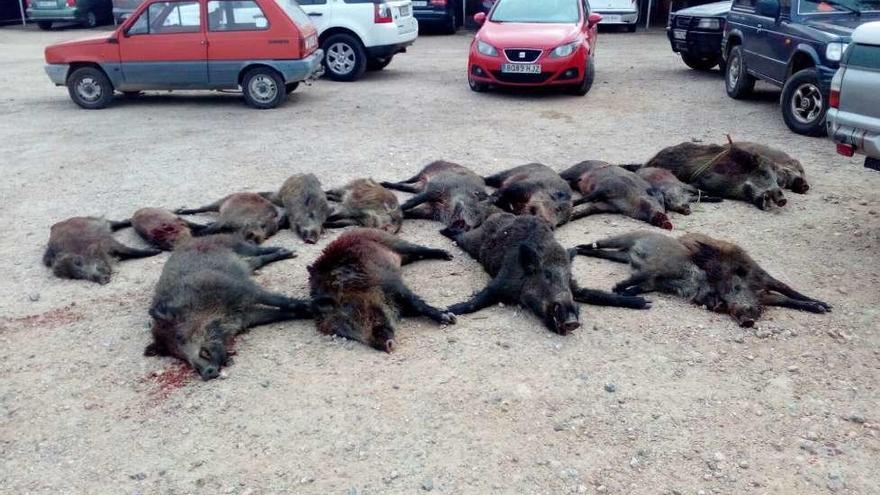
(94, 39)
(520, 35)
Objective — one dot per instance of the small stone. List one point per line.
(811, 435)
(34, 296)
(610, 387)
(841, 290)
(428, 485)
(600, 489)
(793, 369)
(835, 482)
(264, 384)
(582, 488)
(856, 418)
(224, 375)
(718, 456)
(743, 464)
(138, 476)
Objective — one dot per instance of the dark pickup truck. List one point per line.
(696, 32)
(794, 44)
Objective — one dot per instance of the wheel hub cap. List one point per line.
(263, 89)
(88, 89)
(340, 58)
(806, 103)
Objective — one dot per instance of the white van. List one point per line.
(617, 12)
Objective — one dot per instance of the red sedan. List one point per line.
(529, 43)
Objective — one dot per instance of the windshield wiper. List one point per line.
(843, 6)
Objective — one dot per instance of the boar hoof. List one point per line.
(817, 307)
(285, 254)
(447, 318)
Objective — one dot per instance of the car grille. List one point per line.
(683, 21)
(524, 55)
(521, 78)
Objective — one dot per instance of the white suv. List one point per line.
(357, 35)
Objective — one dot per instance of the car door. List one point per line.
(770, 52)
(319, 11)
(165, 47)
(239, 31)
(742, 18)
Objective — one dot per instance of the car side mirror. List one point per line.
(480, 18)
(594, 19)
(768, 8)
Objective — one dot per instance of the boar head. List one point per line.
(359, 316)
(546, 288)
(94, 266)
(201, 342)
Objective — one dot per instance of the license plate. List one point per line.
(612, 19)
(404, 11)
(679, 34)
(418, 3)
(521, 68)
(47, 5)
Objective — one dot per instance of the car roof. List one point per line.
(868, 33)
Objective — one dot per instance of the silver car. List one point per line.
(854, 117)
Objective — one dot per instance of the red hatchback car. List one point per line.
(264, 47)
(535, 43)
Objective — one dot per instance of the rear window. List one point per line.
(865, 56)
(295, 12)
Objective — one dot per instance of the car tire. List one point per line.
(91, 19)
(44, 25)
(263, 88)
(451, 26)
(737, 81)
(803, 103)
(375, 64)
(704, 64)
(90, 88)
(344, 57)
(477, 86)
(291, 87)
(632, 27)
(872, 163)
(589, 74)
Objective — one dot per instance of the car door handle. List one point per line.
(315, 14)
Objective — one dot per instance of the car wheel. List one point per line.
(344, 57)
(477, 86)
(44, 25)
(700, 63)
(263, 88)
(451, 25)
(291, 87)
(90, 88)
(737, 81)
(872, 163)
(589, 74)
(632, 27)
(91, 19)
(803, 103)
(378, 63)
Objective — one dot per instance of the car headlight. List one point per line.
(486, 49)
(834, 51)
(709, 23)
(565, 50)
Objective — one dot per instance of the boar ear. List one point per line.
(163, 312)
(528, 258)
(704, 254)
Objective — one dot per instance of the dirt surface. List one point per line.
(674, 400)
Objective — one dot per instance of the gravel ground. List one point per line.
(675, 400)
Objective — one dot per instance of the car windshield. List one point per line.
(837, 6)
(295, 12)
(550, 11)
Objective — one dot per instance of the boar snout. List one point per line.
(543, 212)
(254, 236)
(207, 371)
(745, 316)
(778, 197)
(309, 236)
(563, 320)
(661, 220)
(799, 185)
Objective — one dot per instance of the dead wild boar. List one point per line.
(789, 172)
(533, 189)
(366, 203)
(531, 269)
(448, 193)
(612, 189)
(254, 216)
(677, 196)
(162, 228)
(357, 290)
(205, 297)
(717, 274)
(305, 205)
(729, 171)
(83, 248)
(742, 285)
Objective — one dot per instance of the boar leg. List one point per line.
(490, 295)
(213, 228)
(246, 248)
(402, 186)
(413, 305)
(124, 252)
(783, 288)
(593, 209)
(114, 226)
(266, 298)
(340, 223)
(259, 261)
(704, 197)
(264, 316)
(410, 252)
(602, 298)
(195, 228)
(813, 306)
(215, 206)
(414, 201)
(423, 212)
(637, 283)
(618, 256)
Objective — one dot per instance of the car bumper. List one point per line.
(554, 71)
(391, 34)
(696, 42)
(52, 15)
(618, 16)
(305, 69)
(849, 128)
(385, 51)
(57, 73)
(432, 16)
